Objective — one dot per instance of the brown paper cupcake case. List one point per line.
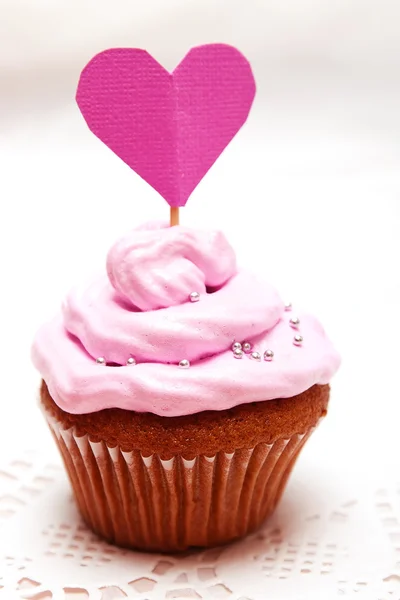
(147, 503)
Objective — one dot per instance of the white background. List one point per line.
(308, 192)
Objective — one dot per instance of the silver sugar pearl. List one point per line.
(246, 347)
(268, 355)
(294, 322)
(101, 360)
(131, 361)
(288, 306)
(255, 356)
(298, 340)
(184, 364)
(194, 297)
(238, 353)
(236, 346)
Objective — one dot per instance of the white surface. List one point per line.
(331, 536)
(308, 193)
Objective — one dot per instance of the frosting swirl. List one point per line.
(142, 309)
(156, 271)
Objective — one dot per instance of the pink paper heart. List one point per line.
(168, 127)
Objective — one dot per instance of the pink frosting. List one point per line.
(142, 310)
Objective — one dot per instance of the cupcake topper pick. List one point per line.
(169, 128)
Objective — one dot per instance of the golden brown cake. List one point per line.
(211, 477)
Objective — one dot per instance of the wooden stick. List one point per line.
(174, 216)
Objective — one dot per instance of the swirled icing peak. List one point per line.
(156, 268)
(140, 310)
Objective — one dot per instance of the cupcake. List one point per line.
(180, 391)
(179, 388)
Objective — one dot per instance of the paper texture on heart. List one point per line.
(168, 127)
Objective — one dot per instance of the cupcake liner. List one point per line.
(145, 502)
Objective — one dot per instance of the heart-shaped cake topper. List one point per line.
(168, 127)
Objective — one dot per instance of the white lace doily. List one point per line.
(324, 541)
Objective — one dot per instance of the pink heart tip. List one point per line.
(169, 128)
